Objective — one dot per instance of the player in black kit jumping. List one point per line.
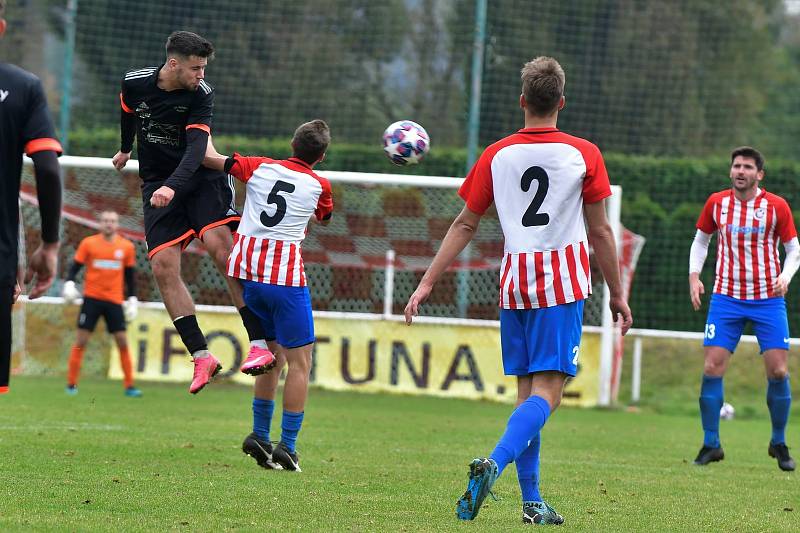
(169, 110)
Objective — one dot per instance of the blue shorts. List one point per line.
(285, 312)
(727, 317)
(536, 340)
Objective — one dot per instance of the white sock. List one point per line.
(201, 354)
(259, 343)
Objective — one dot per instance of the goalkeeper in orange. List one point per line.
(110, 260)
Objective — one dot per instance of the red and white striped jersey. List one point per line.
(281, 197)
(539, 180)
(748, 234)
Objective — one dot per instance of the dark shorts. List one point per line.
(6, 299)
(92, 310)
(189, 215)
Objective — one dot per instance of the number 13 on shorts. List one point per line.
(710, 331)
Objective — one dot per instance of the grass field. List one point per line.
(171, 461)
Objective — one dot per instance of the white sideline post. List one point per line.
(608, 330)
(388, 286)
(636, 370)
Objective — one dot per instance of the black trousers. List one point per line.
(6, 300)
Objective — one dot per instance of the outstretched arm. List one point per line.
(605, 251)
(458, 236)
(213, 159)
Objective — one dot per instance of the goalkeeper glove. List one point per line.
(70, 292)
(130, 308)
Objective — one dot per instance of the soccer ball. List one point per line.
(406, 142)
(726, 411)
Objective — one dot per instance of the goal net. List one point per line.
(346, 261)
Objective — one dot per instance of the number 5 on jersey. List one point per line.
(274, 197)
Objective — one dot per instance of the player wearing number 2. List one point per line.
(281, 198)
(545, 184)
(749, 286)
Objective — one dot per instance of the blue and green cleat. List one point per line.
(482, 475)
(133, 392)
(540, 513)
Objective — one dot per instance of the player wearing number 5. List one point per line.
(545, 185)
(281, 198)
(749, 287)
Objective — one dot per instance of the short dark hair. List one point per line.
(186, 43)
(311, 141)
(542, 85)
(752, 153)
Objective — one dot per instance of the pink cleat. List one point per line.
(205, 368)
(259, 361)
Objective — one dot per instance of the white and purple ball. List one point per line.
(727, 411)
(406, 142)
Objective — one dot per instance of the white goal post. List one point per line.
(607, 329)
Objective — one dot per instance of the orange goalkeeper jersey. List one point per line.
(105, 263)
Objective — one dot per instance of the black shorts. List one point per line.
(93, 309)
(190, 214)
(6, 299)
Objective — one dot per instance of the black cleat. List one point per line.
(261, 451)
(781, 453)
(709, 455)
(286, 459)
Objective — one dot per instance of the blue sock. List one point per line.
(262, 417)
(710, 404)
(779, 400)
(524, 424)
(528, 471)
(290, 427)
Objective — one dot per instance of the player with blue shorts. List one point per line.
(749, 287)
(548, 188)
(282, 195)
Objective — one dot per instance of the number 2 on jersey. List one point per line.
(274, 197)
(531, 216)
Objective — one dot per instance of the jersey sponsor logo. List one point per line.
(107, 264)
(181, 109)
(160, 133)
(746, 230)
(143, 110)
(3, 94)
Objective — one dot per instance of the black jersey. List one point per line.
(162, 118)
(25, 126)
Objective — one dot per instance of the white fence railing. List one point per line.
(614, 206)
